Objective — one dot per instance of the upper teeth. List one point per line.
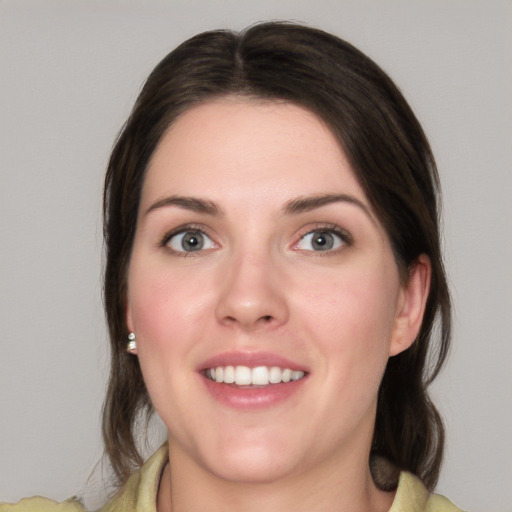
(258, 376)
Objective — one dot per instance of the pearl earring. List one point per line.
(132, 344)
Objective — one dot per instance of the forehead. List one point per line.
(262, 147)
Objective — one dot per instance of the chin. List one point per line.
(252, 459)
(253, 467)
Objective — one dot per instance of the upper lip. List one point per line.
(250, 359)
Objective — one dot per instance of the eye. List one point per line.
(191, 240)
(322, 240)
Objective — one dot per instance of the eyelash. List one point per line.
(344, 236)
(164, 242)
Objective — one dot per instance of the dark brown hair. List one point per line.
(390, 156)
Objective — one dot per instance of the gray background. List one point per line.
(69, 73)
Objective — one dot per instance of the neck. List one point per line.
(345, 487)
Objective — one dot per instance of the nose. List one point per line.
(252, 294)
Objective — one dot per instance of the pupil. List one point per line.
(323, 241)
(192, 242)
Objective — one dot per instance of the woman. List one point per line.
(272, 282)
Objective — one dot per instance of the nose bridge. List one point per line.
(251, 294)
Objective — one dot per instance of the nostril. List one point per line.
(266, 318)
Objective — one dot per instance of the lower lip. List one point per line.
(252, 398)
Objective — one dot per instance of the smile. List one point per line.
(258, 376)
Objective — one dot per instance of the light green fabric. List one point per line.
(139, 494)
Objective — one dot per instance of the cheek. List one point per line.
(164, 305)
(165, 312)
(152, 312)
(351, 318)
(354, 300)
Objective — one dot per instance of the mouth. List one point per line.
(252, 381)
(246, 376)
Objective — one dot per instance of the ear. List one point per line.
(129, 323)
(411, 306)
(129, 319)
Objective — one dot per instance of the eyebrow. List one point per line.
(308, 203)
(193, 204)
(292, 207)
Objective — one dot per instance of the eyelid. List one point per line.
(164, 241)
(343, 234)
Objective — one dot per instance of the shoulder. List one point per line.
(413, 496)
(139, 493)
(438, 503)
(38, 504)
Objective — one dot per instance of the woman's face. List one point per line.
(258, 259)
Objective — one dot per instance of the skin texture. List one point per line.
(259, 285)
